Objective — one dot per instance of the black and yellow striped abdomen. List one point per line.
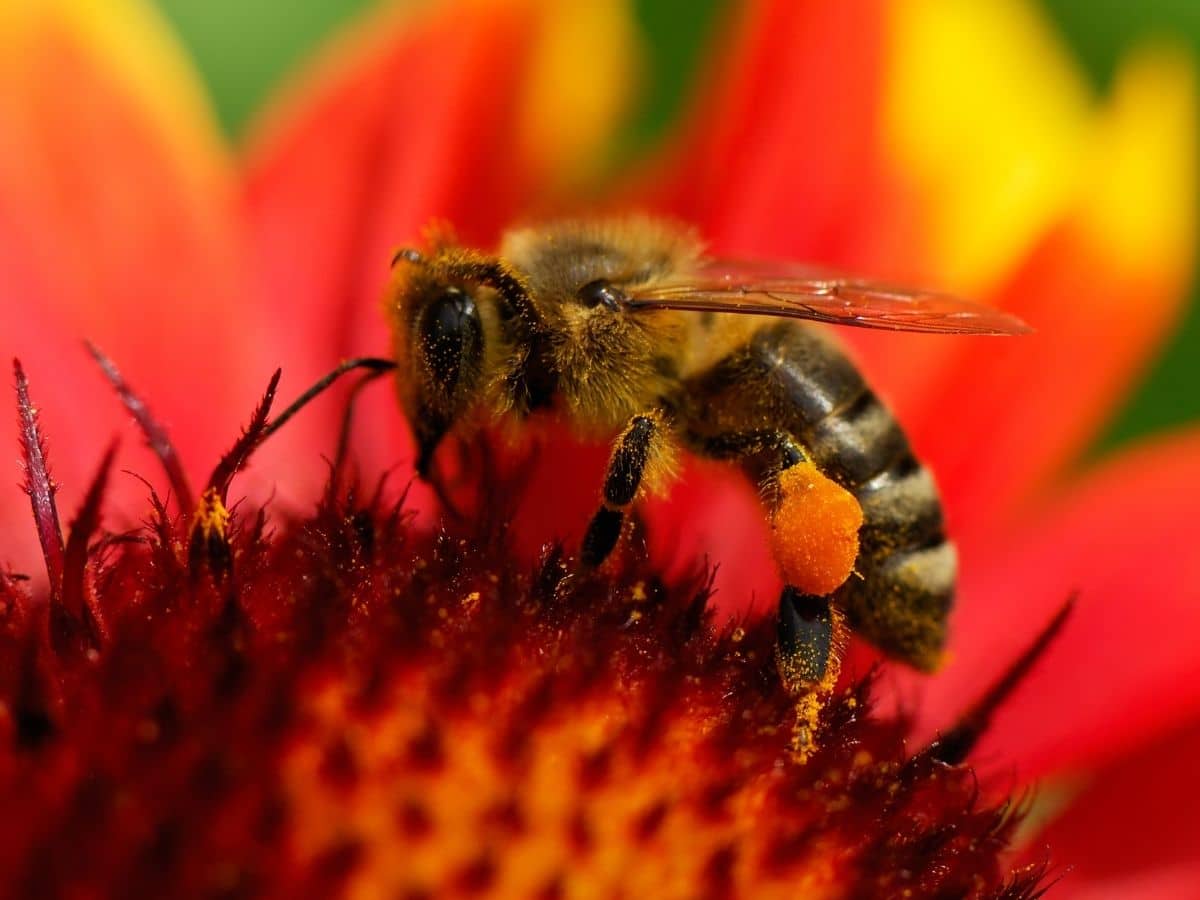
(787, 376)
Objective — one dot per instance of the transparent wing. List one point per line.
(802, 292)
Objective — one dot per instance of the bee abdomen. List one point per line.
(857, 443)
(903, 588)
(821, 397)
(815, 379)
(901, 509)
(901, 594)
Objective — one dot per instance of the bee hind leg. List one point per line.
(808, 654)
(644, 451)
(814, 529)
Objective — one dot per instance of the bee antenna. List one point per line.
(408, 254)
(495, 274)
(261, 427)
(343, 444)
(376, 365)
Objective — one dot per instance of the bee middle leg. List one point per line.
(643, 449)
(811, 628)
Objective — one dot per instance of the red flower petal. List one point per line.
(1005, 415)
(714, 516)
(408, 123)
(1133, 830)
(1181, 882)
(780, 161)
(116, 224)
(1125, 667)
(797, 158)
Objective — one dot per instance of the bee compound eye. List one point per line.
(450, 335)
(601, 292)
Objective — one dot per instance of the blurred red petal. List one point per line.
(408, 121)
(117, 224)
(710, 517)
(778, 156)
(714, 516)
(794, 158)
(1133, 830)
(1180, 882)
(1005, 415)
(1125, 667)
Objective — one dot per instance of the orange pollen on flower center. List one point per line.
(575, 811)
(211, 517)
(814, 530)
(578, 806)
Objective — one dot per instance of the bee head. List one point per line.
(439, 344)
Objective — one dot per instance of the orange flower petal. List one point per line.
(1125, 667)
(117, 224)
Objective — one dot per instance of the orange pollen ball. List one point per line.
(814, 530)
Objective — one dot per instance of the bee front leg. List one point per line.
(644, 451)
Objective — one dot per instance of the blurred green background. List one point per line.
(243, 49)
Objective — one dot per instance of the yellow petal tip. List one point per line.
(1140, 202)
(983, 116)
(131, 48)
(581, 77)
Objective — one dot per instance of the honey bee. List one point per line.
(626, 327)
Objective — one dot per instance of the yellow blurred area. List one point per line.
(1141, 177)
(132, 44)
(989, 120)
(579, 86)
